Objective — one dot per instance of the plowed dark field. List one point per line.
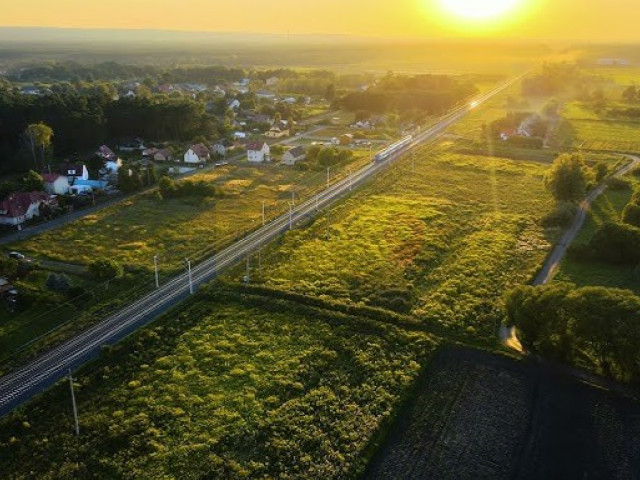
(478, 416)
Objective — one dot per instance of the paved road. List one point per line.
(51, 366)
(508, 334)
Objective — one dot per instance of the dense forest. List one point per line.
(429, 94)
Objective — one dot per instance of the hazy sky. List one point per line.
(540, 19)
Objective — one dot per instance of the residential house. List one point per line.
(74, 172)
(276, 132)
(239, 135)
(81, 186)
(271, 81)
(19, 207)
(31, 90)
(198, 153)
(234, 104)
(265, 94)
(346, 139)
(150, 152)
(133, 145)
(219, 149)
(163, 155)
(261, 118)
(111, 167)
(55, 184)
(293, 155)
(106, 153)
(258, 152)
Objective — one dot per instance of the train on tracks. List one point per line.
(382, 155)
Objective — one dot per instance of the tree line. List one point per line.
(83, 119)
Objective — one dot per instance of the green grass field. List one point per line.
(442, 243)
(135, 230)
(607, 208)
(224, 389)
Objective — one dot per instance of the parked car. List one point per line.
(16, 255)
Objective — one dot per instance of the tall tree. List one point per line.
(568, 178)
(38, 137)
(32, 182)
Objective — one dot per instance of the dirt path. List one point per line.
(508, 334)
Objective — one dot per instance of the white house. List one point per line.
(197, 154)
(234, 104)
(55, 184)
(239, 135)
(111, 167)
(265, 94)
(258, 152)
(294, 155)
(74, 172)
(17, 208)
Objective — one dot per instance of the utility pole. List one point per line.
(75, 407)
(317, 195)
(291, 216)
(264, 218)
(350, 180)
(293, 197)
(328, 176)
(190, 278)
(155, 268)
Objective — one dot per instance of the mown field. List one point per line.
(230, 386)
(440, 238)
(484, 417)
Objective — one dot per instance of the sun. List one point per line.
(479, 10)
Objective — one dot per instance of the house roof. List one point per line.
(165, 152)
(200, 150)
(296, 152)
(255, 146)
(17, 204)
(105, 152)
(51, 177)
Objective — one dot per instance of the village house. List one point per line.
(258, 152)
(106, 153)
(163, 155)
(346, 139)
(74, 172)
(55, 184)
(234, 104)
(197, 154)
(219, 149)
(276, 132)
(19, 207)
(293, 155)
(265, 94)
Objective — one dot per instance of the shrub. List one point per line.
(568, 178)
(617, 184)
(601, 171)
(616, 243)
(60, 283)
(561, 216)
(581, 252)
(631, 214)
(106, 269)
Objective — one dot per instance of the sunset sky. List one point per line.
(538, 19)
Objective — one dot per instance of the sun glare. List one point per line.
(479, 10)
